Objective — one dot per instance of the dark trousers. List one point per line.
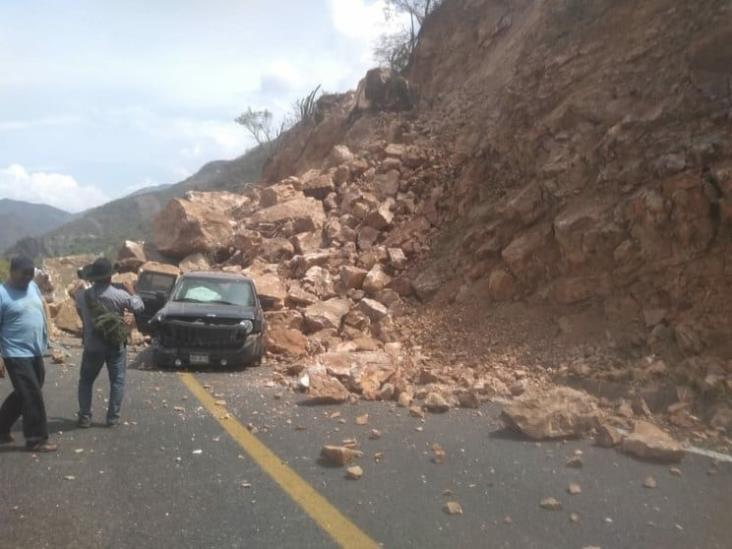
(26, 375)
(91, 365)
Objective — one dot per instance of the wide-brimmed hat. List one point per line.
(101, 269)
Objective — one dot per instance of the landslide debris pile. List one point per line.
(546, 193)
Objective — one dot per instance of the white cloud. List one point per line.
(364, 20)
(357, 18)
(54, 189)
(48, 121)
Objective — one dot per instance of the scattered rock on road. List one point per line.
(575, 462)
(550, 504)
(649, 482)
(339, 455)
(574, 488)
(436, 403)
(416, 411)
(452, 508)
(438, 454)
(354, 473)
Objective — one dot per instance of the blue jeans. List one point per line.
(91, 365)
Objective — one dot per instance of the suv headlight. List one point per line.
(248, 326)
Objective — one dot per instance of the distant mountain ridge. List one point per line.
(102, 229)
(20, 220)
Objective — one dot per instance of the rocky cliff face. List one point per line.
(595, 147)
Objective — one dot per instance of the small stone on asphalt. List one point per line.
(550, 504)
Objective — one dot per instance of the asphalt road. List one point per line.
(170, 476)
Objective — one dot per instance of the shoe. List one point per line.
(6, 438)
(113, 422)
(84, 422)
(41, 447)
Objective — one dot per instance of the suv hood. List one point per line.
(208, 310)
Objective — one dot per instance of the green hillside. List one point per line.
(102, 229)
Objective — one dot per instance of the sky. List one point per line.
(99, 99)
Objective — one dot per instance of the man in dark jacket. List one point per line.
(97, 351)
(23, 340)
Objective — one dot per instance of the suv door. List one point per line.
(154, 289)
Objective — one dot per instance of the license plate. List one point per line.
(199, 359)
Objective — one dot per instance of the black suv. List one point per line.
(210, 318)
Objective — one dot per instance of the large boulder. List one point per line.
(194, 262)
(270, 289)
(126, 281)
(340, 154)
(373, 309)
(317, 185)
(376, 280)
(308, 242)
(362, 372)
(318, 281)
(324, 389)
(196, 224)
(277, 194)
(131, 256)
(352, 277)
(326, 314)
(381, 217)
(427, 283)
(132, 250)
(276, 250)
(66, 318)
(297, 296)
(560, 412)
(285, 341)
(386, 184)
(383, 90)
(156, 267)
(303, 214)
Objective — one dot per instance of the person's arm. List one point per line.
(135, 304)
(46, 314)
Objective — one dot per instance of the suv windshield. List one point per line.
(202, 290)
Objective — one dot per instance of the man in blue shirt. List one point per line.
(98, 352)
(23, 340)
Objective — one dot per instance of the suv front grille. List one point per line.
(176, 333)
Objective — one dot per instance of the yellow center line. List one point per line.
(344, 532)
